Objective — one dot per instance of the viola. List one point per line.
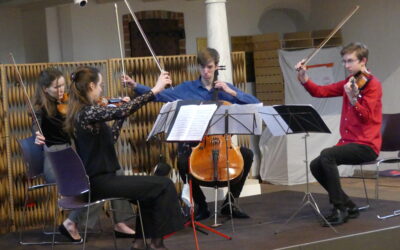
(215, 160)
(62, 106)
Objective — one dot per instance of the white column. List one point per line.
(218, 36)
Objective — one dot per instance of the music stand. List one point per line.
(293, 119)
(186, 121)
(233, 120)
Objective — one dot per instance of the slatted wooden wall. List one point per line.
(135, 154)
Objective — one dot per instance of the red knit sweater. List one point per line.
(360, 123)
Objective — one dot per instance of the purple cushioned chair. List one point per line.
(33, 159)
(73, 185)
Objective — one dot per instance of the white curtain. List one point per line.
(283, 158)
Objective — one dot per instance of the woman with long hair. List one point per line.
(50, 112)
(94, 140)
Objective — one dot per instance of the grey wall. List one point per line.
(11, 36)
(377, 25)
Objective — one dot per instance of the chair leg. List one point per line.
(395, 212)
(141, 224)
(54, 228)
(23, 224)
(86, 222)
(47, 202)
(111, 211)
(23, 220)
(365, 191)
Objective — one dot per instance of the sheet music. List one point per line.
(164, 119)
(191, 122)
(274, 121)
(242, 119)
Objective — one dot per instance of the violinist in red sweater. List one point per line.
(360, 125)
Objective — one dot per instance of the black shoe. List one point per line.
(353, 212)
(123, 235)
(202, 213)
(64, 231)
(337, 217)
(236, 212)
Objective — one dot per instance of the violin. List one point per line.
(110, 102)
(62, 106)
(360, 79)
(215, 160)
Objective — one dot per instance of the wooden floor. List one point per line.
(389, 188)
(268, 212)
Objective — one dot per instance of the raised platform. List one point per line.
(268, 212)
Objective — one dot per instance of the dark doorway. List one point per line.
(163, 36)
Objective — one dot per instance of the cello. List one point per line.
(215, 161)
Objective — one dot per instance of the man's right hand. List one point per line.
(301, 71)
(163, 81)
(39, 140)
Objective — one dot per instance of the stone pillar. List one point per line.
(218, 36)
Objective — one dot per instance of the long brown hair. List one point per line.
(78, 97)
(42, 100)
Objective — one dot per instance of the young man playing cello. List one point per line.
(203, 89)
(360, 126)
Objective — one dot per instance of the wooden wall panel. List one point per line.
(135, 154)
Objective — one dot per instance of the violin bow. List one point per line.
(144, 36)
(26, 93)
(120, 42)
(333, 32)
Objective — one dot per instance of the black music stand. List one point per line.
(294, 119)
(173, 123)
(233, 120)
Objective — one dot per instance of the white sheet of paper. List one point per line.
(191, 122)
(242, 118)
(273, 120)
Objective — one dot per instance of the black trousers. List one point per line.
(324, 168)
(157, 196)
(184, 151)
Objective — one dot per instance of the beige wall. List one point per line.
(94, 27)
(89, 33)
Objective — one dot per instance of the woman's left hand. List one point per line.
(126, 99)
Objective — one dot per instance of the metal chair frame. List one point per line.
(73, 185)
(390, 131)
(33, 161)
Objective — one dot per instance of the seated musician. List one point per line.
(50, 109)
(202, 89)
(94, 140)
(359, 127)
